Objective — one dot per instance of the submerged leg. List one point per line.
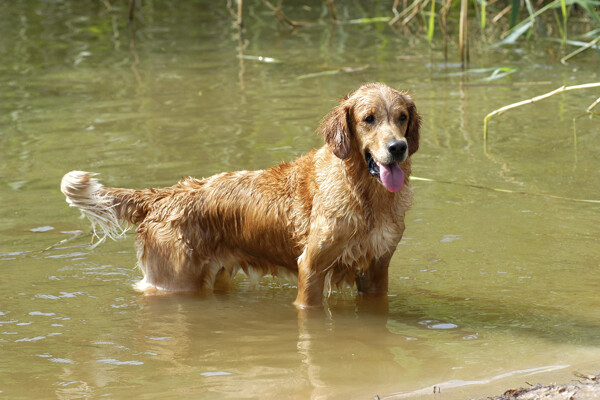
(319, 254)
(375, 279)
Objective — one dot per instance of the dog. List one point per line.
(332, 217)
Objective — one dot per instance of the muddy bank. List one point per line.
(582, 387)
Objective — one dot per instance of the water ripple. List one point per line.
(113, 361)
(218, 373)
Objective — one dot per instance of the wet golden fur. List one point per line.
(322, 217)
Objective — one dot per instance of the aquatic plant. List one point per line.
(561, 89)
(502, 22)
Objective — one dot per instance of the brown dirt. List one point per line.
(584, 387)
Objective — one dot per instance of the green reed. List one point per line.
(499, 21)
(514, 19)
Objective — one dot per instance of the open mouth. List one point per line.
(390, 175)
(373, 167)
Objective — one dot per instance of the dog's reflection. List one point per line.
(345, 348)
(248, 344)
(261, 347)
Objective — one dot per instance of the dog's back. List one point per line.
(192, 234)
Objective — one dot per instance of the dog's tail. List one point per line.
(106, 208)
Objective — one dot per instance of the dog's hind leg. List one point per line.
(172, 263)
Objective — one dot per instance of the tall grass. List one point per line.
(515, 19)
(502, 22)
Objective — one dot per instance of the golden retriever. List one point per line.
(333, 216)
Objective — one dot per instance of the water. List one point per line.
(488, 289)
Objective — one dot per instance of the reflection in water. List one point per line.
(486, 284)
(254, 349)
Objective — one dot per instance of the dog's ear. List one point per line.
(414, 125)
(336, 129)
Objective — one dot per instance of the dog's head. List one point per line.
(378, 123)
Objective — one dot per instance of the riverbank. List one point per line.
(583, 387)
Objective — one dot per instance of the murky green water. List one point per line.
(488, 289)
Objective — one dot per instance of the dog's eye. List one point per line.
(402, 117)
(369, 119)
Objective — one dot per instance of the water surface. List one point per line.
(488, 288)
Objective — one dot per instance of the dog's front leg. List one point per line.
(318, 255)
(310, 285)
(375, 279)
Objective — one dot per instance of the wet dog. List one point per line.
(332, 217)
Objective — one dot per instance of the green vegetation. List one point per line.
(561, 89)
(498, 22)
(501, 23)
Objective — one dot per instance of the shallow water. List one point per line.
(487, 289)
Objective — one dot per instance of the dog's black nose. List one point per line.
(397, 148)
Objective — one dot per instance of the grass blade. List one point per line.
(579, 50)
(504, 109)
(369, 20)
(516, 34)
(589, 6)
(514, 12)
(561, 30)
(431, 28)
(563, 9)
(500, 73)
(463, 32)
(533, 15)
(520, 27)
(577, 43)
(483, 4)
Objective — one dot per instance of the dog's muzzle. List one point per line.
(390, 175)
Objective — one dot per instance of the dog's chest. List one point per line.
(373, 242)
(384, 236)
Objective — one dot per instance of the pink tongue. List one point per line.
(391, 176)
